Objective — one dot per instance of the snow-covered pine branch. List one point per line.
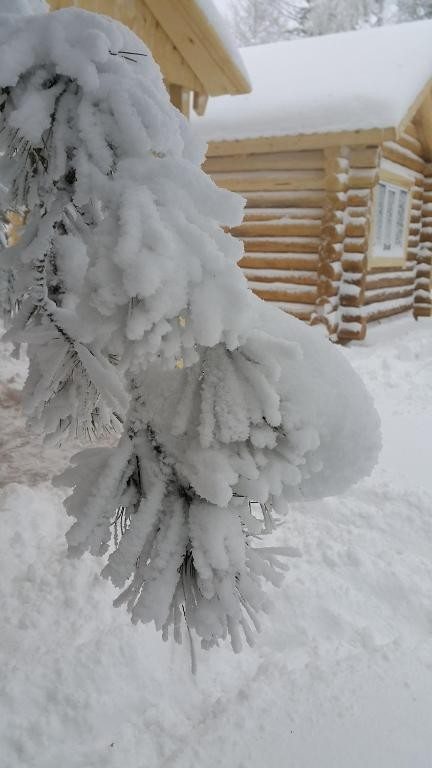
(127, 289)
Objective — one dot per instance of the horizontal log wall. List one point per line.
(286, 193)
(306, 231)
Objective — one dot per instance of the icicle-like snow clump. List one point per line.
(126, 289)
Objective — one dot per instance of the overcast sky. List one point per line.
(222, 5)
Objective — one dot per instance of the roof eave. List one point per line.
(201, 46)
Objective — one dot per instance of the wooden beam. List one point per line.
(300, 142)
(200, 45)
(423, 123)
(200, 101)
(180, 98)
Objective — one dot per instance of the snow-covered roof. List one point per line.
(342, 82)
(223, 31)
(204, 40)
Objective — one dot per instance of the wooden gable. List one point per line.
(191, 55)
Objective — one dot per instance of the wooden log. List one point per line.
(374, 283)
(277, 229)
(279, 261)
(381, 314)
(354, 229)
(356, 245)
(365, 157)
(362, 179)
(304, 313)
(273, 214)
(410, 129)
(352, 329)
(393, 153)
(358, 198)
(411, 143)
(297, 199)
(330, 251)
(281, 276)
(301, 297)
(354, 265)
(270, 161)
(422, 311)
(269, 181)
(372, 136)
(376, 271)
(279, 245)
(402, 293)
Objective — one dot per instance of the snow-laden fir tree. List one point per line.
(137, 319)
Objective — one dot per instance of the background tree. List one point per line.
(326, 16)
(414, 10)
(258, 21)
(126, 289)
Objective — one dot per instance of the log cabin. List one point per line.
(189, 41)
(332, 150)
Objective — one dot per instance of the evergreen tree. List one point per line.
(414, 10)
(258, 21)
(125, 287)
(327, 16)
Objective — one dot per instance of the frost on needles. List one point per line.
(126, 289)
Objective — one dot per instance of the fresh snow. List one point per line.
(346, 81)
(223, 30)
(126, 289)
(341, 675)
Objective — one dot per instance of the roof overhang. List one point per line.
(420, 112)
(201, 46)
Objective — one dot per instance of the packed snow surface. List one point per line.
(345, 81)
(341, 676)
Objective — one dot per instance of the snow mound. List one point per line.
(338, 82)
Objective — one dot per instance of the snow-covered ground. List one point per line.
(341, 676)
